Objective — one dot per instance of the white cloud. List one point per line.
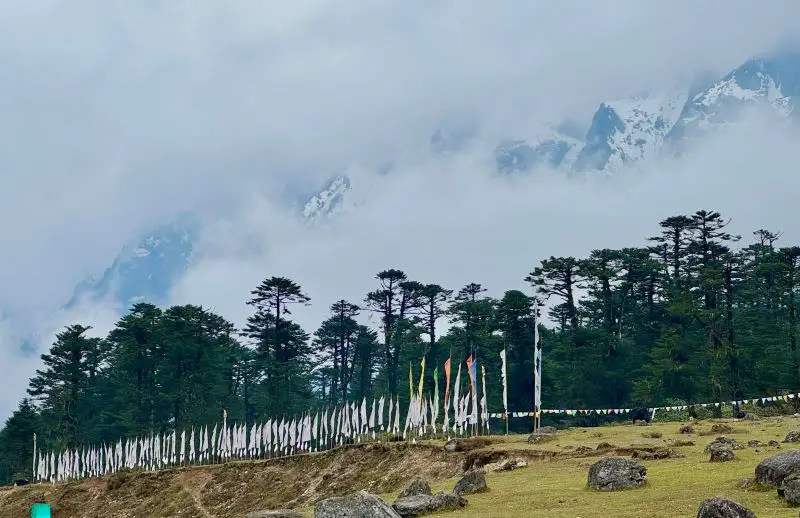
(119, 115)
(452, 221)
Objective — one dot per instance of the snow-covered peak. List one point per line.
(768, 82)
(629, 129)
(327, 201)
(547, 147)
(144, 269)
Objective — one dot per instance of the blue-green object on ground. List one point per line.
(40, 511)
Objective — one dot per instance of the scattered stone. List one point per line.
(656, 454)
(506, 465)
(539, 438)
(418, 486)
(754, 443)
(790, 489)
(677, 443)
(722, 428)
(686, 429)
(583, 450)
(466, 444)
(773, 442)
(724, 440)
(417, 505)
(356, 505)
(771, 472)
(746, 483)
(615, 474)
(793, 436)
(278, 513)
(721, 453)
(653, 435)
(472, 482)
(723, 508)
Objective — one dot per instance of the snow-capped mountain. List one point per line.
(622, 132)
(769, 82)
(552, 149)
(327, 201)
(628, 130)
(144, 270)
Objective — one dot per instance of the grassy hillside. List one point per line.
(552, 485)
(556, 488)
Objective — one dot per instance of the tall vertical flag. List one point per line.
(484, 402)
(435, 407)
(410, 383)
(421, 378)
(504, 373)
(472, 367)
(537, 364)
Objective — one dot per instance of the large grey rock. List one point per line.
(614, 474)
(356, 505)
(418, 486)
(721, 453)
(538, 438)
(723, 508)
(417, 505)
(791, 489)
(733, 443)
(278, 513)
(772, 471)
(472, 482)
(793, 436)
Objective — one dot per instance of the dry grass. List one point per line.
(553, 484)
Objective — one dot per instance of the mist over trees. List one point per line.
(693, 314)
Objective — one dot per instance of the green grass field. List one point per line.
(675, 487)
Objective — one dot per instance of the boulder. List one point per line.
(791, 489)
(772, 471)
(538, 438)
(686, 429)
(418, 486)
(505, 465)
(615, 474)
(356, 505)
(724, 440)
(472, 482)
(773, 442)
(721, 452)
(793, 436)
(417, 505)
(656, 454)
(721, 428)
(278, 513)
(466, 444)
(723, 508)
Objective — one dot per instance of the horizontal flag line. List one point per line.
(617, 411)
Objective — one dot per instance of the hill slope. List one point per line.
(552, 486)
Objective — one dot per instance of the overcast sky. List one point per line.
(117, 115)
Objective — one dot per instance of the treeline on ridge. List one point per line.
(690, 316)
